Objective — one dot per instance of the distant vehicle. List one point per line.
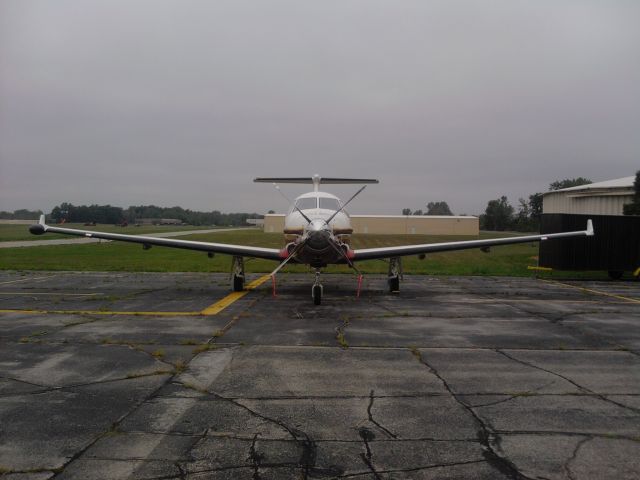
(317, 231)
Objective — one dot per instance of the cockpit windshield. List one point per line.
(307, 203)
(329, 203)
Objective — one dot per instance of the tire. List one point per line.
(316, 293)
(394, 284)
(238, 283)
(615, 274)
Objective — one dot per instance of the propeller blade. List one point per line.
(300, 211)
(347, 203)
(286, 260)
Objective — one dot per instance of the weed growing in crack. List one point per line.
(203, 348)
(342, 341)
(180, 365)
(194, 387)
(415, 352)
(159, 353)
(188, 342)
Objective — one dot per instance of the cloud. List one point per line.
(183, 103)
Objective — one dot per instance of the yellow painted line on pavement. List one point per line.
(542, 269)
(232, 297)
(53, 293)
(210, 310)
(101, 312)
(597, 292)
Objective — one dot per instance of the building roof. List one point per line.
(625, 182)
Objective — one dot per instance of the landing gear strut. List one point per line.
(237, 274)
(316, 290)
(395, 274)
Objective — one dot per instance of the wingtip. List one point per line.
(38, 228)
(590, 231)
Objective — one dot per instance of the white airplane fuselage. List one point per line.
(324, 243)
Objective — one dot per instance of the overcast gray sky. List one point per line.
(185, 102)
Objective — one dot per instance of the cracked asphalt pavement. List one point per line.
(119, 376)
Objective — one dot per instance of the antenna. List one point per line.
(277, 187)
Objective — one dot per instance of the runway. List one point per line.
(114, 375)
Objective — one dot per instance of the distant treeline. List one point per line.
(108, 214)
(21, 214)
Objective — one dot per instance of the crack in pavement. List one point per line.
(387, 432)
(415, 469)
(570, 460)
(574, 383)
(308, 456)
(367, 457)
(485, 433)
(527, 393)
(255, 458)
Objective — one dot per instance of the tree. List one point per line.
(535, 205)
(498, 215)
(633, 208)
(271, 212)
(438, 208)
(569, 182)
(406, 211)
(418, 212)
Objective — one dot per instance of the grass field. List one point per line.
(10, 233)
(510, 260)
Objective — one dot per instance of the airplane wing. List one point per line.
(238, 250)
(400, 251)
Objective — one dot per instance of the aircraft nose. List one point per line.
(318, 239)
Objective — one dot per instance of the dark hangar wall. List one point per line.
(615, 245)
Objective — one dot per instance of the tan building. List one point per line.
(601, 198)
(396, 224)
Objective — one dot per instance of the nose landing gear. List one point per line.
(316, 290)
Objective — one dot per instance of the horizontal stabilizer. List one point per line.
(313, 180)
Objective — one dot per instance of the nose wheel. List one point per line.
(316, 290)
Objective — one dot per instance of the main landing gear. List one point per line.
(237, 274)
(316, 290)
(395, 274)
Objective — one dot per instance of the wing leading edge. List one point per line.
(387, 252)
(239, 250)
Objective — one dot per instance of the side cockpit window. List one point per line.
(307, 203)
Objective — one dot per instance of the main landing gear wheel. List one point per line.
(316, 293)
(394, 275)
(615, 274)
(238, 283)
(237, 274)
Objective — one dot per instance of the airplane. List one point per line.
(317, 233)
